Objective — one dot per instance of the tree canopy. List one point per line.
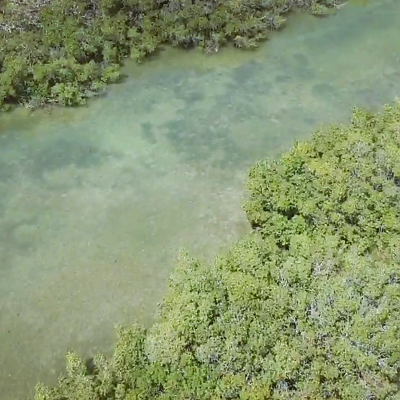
(62, 52)
(306, 306)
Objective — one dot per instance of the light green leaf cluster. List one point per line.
(344, 182)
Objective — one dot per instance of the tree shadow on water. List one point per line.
(147, 132)
(248, 80)
(61, 152)
(17, 238)
(203, 140)
(189, 95)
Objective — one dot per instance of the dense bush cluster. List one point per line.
(64, 51)
(344, 183)
(307, 306)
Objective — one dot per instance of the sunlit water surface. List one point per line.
(96, 202)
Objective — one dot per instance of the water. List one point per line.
(96, 202)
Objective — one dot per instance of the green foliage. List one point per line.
(343, 182)
(65, 51)
(307, 306)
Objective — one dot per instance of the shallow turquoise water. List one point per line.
(96, 202)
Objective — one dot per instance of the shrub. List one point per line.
(345, 181)
(307, 306)
(65, 51)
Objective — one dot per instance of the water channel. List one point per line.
(97, 201)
